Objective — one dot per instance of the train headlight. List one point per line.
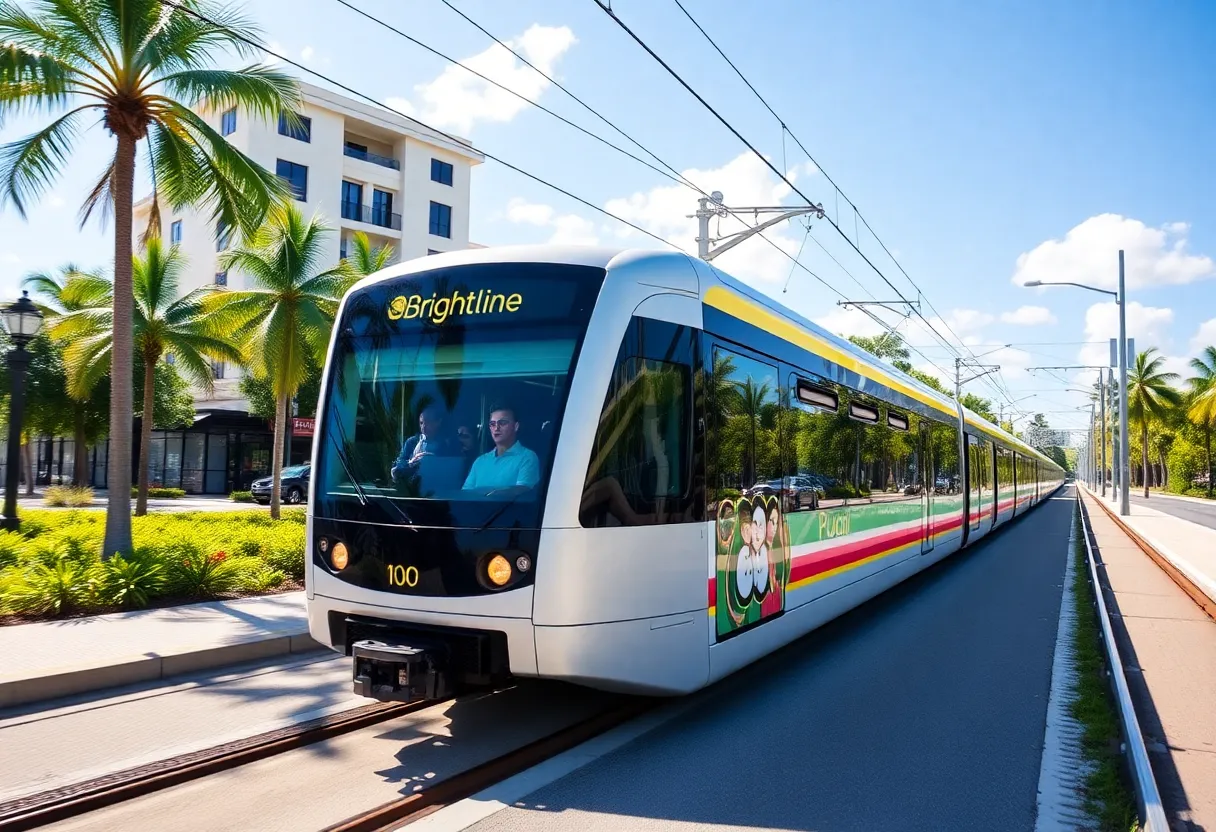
(339, 557)
(498, 570)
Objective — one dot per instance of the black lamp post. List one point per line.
(22, 320)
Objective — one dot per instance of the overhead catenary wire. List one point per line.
(839, 191)
(455, 139)
(607, 9)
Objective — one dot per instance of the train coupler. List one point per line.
(399, 672)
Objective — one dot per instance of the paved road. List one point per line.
(923, 710)
(1200, 513)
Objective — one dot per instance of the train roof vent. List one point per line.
(863, 412)
(817, 396)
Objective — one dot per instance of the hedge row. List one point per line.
(52, 567)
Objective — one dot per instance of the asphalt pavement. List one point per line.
(924, 709)
(1194, 512)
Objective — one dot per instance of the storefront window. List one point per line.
(193, 462)
(217, 463)
(173, 460)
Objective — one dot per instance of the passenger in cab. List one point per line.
(429, 441)
(509, 464)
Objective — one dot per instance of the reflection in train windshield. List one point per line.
(456, 403)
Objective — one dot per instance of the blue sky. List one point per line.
(985, 143)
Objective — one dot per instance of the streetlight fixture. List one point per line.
(22, 320)
(1121, 301)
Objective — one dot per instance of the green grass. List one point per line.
(1108, 794)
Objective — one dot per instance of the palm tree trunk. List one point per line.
(280, 431)
(80, 463)
(145, 435)
(1144, 452)
(118, 503)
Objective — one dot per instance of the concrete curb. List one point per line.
(116, 672)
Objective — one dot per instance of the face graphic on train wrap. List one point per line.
(752, 561)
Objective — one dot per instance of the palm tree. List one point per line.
(140, 64)
(363, 260)
(285, 322)
(1150, 397)
(1202, 409)
(165, 324)
(87, 288)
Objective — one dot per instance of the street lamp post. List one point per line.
(1123, 473)
(22, 320)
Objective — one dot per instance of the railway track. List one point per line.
(59, 804)
(401, 812)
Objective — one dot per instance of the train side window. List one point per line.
(640, 471)
(743, 427)
(947, 473)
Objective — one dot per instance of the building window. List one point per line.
(302, 133)
(296, 176)
(342, 249)
(217, 369)
(441, 172)
(441, 219)
(352, 201)
(175, 233)
(431, 251)
(228, 122)
(221, 278)
(223, 235)
(382, 208)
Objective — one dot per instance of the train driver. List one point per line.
(509, 464)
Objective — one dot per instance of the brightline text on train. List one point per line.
(437, 309)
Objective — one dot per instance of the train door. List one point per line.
(975, 484)
(994, 468)
(1016, 479)
(928, 478)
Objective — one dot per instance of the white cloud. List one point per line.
(56, 200)
(273, 46)
(1149, 325)
(306, 53)
(9, 257)
(568, 229)
(1205, 336)
(964, 321)
(1089, 254)
(1029, 316)
(848, 321)
(744, 180)
(457, 99)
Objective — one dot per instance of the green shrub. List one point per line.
(283, 549)
(131, 582)
(47, 589)
(161, 493)
(12, 545)
(241, 496)
(68, 495)
(195, 572)
(255, 575)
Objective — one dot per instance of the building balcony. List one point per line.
(371, 216)
(374, 158)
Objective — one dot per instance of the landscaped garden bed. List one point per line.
(52, 568)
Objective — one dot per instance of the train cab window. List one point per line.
(640, 471)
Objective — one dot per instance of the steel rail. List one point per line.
(1148, 796)
(405, 810)
(41, 808)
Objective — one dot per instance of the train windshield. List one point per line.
(446, 392)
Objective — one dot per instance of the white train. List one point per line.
(623, 469)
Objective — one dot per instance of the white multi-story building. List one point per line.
(359, 167)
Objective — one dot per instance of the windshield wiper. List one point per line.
(354, 480)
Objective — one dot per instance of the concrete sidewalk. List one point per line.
(1168, 647)
(1189, 547)
(51, 659)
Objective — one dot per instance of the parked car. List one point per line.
(294, 485)
(799, 492)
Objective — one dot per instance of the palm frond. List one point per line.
(28, 166)
(100, 197)
(31, 82)
(260, 90)
(184, 40)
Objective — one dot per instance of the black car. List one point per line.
(294, 485)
